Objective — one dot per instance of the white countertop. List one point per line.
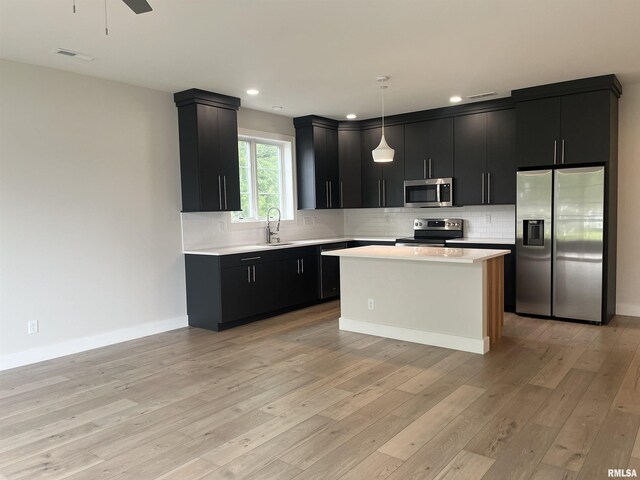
(421, 254)
(285, 244)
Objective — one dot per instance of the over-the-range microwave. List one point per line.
(428, 192)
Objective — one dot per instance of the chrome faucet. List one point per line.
(272, 236)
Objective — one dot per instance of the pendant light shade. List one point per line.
(383, 153)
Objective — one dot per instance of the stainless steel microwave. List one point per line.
(429, 192)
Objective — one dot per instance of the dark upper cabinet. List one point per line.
(501, 159)
(350, 168)
(470, 159)
(585, 127)
(317, 163)
(567, 123)
(484, 165)
(429, 149)
(383, 183)
(537, 131)
(208, 151)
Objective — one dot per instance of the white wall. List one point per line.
(89, 213)
(628, 281)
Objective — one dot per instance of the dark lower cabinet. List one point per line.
(299, 280)
(226, 291)
(509, 269)
(254, 288)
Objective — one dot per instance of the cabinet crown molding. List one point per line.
(203, 97)
(582, 85)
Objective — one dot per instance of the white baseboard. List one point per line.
(27, 357)
(628, 309)
(416, 336)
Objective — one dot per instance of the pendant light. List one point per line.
(383, 152)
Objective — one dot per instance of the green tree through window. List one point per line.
(261, 179)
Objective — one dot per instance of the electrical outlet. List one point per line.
(487, 218)
(306, 220)
(32, 327)
(370, 304)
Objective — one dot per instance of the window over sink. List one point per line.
(266, 176)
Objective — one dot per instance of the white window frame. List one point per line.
(287, 185)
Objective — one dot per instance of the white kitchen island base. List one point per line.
(445, 297)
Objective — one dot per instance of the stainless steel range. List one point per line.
(433, 232)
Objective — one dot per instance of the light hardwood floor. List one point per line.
(292, 397)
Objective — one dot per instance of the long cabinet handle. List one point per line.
(330, 194)
(341, 196)
(379, 201)
(488, 188)
(249, 258)
(220, 191)
(482, 188)
(562, 157)
(555, 151)
(298, 261)
(253, 267)
(430, 169)
(302, 264)
(224, 184)
(249, 274)
(424, 168)
(384, 193)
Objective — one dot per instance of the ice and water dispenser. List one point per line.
(533, 233)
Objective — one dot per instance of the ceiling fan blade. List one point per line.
(138, 6)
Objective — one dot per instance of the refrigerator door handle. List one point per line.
(555, 151)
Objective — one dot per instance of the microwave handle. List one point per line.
(438, 193)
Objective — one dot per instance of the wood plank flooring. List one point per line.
(294, 398)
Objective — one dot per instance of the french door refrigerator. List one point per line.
(560, 233)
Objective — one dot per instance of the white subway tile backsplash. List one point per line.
(214, 229)
(489, 221)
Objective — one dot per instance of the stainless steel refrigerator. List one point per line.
(560, 248)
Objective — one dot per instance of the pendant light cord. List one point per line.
(106, 23)
(382, 88)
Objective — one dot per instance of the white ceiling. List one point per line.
(322, 56)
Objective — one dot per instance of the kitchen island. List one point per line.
(446, 297)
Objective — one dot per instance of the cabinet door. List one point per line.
(393, 172)
(239, 294)
(331, 167)
(371, 171)
(229, 163)
(585, 128)
(440, 152)
(320, 167)
(208, 159)
(350, 169)
(537, 132)
(470, 159)
(416, 150)
(267, 280)
(501, 162)
(429, 149)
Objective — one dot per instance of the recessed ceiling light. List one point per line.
(70, 53)
(351, 116)
(277, 108)
(455, 99)
(253, 91)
